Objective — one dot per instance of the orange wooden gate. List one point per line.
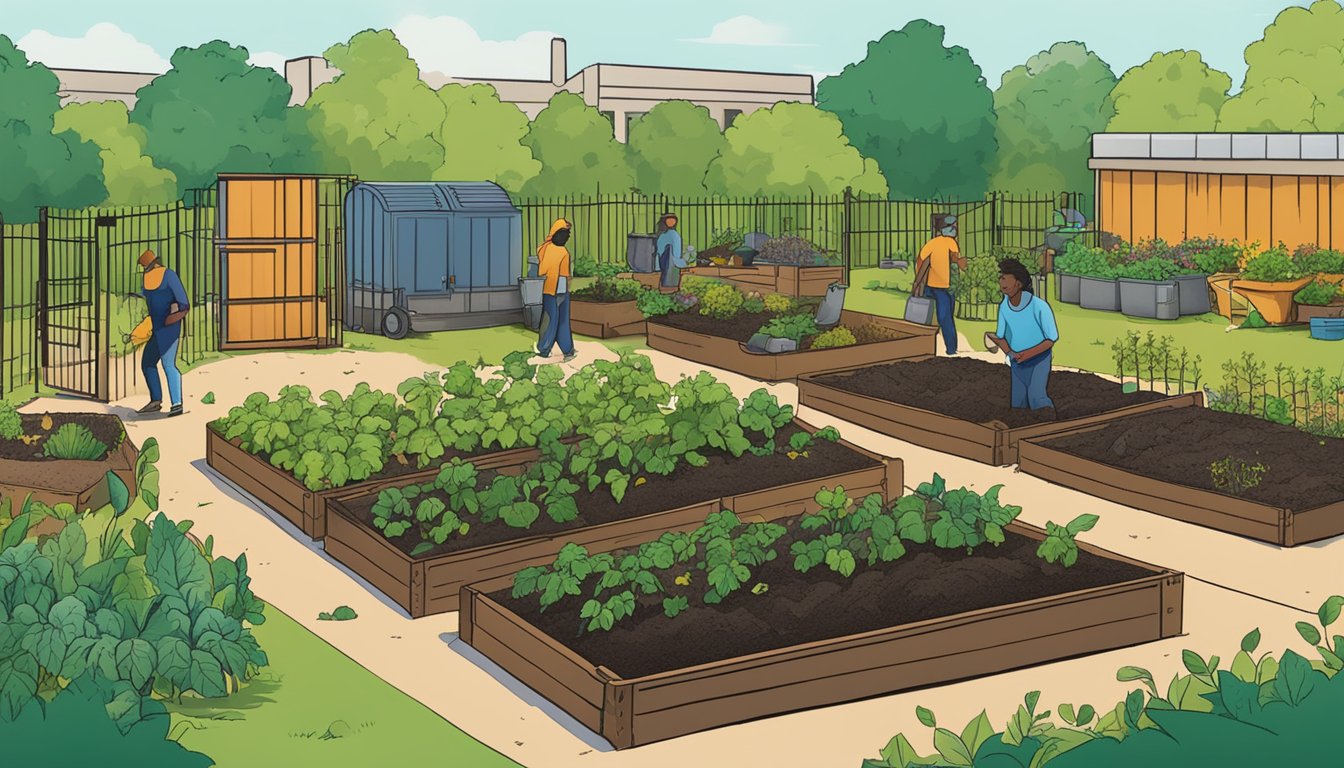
(281, 260)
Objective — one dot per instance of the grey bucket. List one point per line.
(828, 314)
(532, 316)
(530, 288)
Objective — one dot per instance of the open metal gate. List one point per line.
(70, 326)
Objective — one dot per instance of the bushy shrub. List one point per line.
(11, 423)
(721, 302)
(753, 304)
(74, 441)
(1214, 256)
(1148, 269)
(1272, 266)
(698, 286)
(1317, 294)
(584, 266)
(795, 327)
(1314, 260)
(1084, 260)
(778, 303)
(653, 303)
(839, 336)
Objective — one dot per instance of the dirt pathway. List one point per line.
(424, 658)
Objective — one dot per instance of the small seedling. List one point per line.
(208, 398)
(343, 613)
(1236, 476)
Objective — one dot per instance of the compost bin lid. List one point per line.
(453, 196)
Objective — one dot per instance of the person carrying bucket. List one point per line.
(553, 264)
(166, 301)
(935, 260)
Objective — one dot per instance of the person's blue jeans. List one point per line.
(1030, 380)
(942, 299)
(155, 355)
(556, 325)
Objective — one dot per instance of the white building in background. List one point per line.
(622, 92)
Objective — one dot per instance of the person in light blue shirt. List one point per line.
(668, 249)
(1026, 334)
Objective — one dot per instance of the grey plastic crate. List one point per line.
(1153, 299)
(1194, 294)
(1098, 293)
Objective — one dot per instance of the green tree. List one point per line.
(213, 112)
(672, 146)
(378, 119)
(1048, 110)
(791, 149)
(40, 167)
(1294, 75)
(921, 109)
(577, 149)
(1174, 92)
(483, 138)
(131, 176)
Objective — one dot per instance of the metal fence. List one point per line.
(18, 305)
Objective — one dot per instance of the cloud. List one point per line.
(270, 59)
(104, 46)
(451, 46)
(747, 30)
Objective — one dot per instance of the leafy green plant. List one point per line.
(1318, 294)
(731, 237)
(1216, 258)
(838, 336)
(342, 613)
(1085, 260)
(847, 534)
(1272, 266)
(1312, 260)
(779, 304)
(74, 441)
(953, 519)
(1059, 545)
(1236, 476)
(1155, 269)
(753, 304)
(1254, 320)
(699, 286)
(584, 266)
(655, 304)
(11, 423)
(795, 327)
(721, 302)
(208, 398)
(761, 412)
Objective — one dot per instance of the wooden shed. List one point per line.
(1270, 188)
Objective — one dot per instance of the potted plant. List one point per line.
(1319, 299)
(1219, 263)
(1269, 282)
(1094, 271)
(1327, 264)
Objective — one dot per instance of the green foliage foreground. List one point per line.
(1259, 711)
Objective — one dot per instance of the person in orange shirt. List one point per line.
(553, 264)
(940, 253)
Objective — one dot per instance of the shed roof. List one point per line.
(430, 196)
(1218, 146)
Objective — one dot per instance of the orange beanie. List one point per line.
(146, 258)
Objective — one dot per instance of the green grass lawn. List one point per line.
(315, 706)
(1086, 335)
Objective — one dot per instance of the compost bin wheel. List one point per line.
(396, 323)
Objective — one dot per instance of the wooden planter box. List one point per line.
(308, 509)
(774, 278)
(633, 712)
(605, 321)
(1210, 509)
(732, 355)
(1305, 312)
(82, 484)
(990, 443)
(431, 585)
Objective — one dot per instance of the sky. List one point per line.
(511, 38)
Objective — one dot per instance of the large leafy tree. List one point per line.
(577, 149)
(213, 112)
(672, 146)
(791, 149)
(1048, 110)
(38, 164)
(131, 177)
(378, 119)
(919, 108)
(1174, 92)
(1294, 75)
(482, 138)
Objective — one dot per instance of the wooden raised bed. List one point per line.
(606, 320)
(306, 509)
(1305, 312)
(732, 355)
(775, 278)
(633, 712)
(82, 484)
(1211, 509)
(431, 585)
(990, 443)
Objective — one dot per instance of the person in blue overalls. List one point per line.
(1027, 335)
(167, 304)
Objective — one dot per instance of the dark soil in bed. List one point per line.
(1303, 471)
(980, 392)
(107, 429)
(723, 476)
(926, 583)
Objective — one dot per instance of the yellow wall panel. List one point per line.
(1171, 205)
(1292, 215)
(1233, 207)
(239, 278)
(240, 323)
(1121, 188)
(1322, 210)
(1337, 212)
(1259, 223)
(1144, 201)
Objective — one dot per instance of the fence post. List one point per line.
(39, 332)
(846, 233)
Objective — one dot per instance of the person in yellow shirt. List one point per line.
(553, 264)
(940, 253)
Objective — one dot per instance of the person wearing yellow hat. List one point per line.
(167, 303)
(554, 265)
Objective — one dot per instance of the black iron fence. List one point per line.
(19, 244)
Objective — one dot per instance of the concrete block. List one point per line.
(1173, 146)
(1117, 145)
(1320, 146)
(1213, 146)
(1283, 146)
(1248, 146)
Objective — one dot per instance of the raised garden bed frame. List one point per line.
(606, 320)
(431, 585)
(1220, 511)
(306, 509)
(80, 484)
(992, 443)
(798, 282)
(732, 355)
(633, 712)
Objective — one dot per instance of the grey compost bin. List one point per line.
(1155, 299)
(640, 252)
(431, 256)
(1193, 293)
(1098, 293)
